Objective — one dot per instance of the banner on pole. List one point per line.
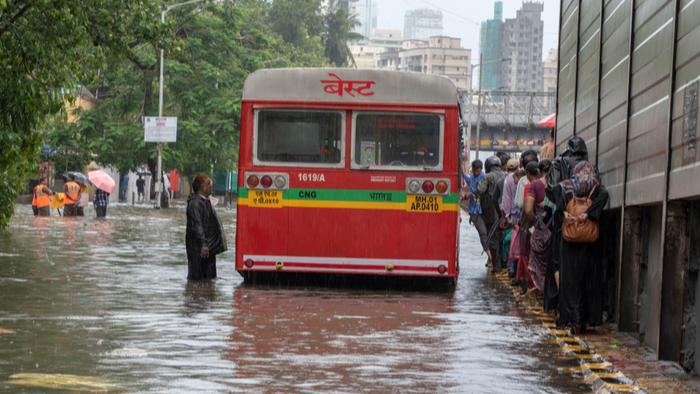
(159, 129)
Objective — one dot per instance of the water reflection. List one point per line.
(199, 295)
(325, 340)
(75, 290)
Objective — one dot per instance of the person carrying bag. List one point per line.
(584, 229)
(582, 199)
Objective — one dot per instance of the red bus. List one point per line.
(346, 171)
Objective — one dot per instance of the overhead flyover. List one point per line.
(506, 121)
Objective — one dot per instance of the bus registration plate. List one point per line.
(266, 199)
(424, 203)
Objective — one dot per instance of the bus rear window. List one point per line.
(299, 137)
(397, 140)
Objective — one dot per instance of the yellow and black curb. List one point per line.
(596, 372)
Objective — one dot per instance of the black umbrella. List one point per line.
(144, 173)
(78, 177)
(494, 230)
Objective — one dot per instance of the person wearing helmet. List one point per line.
(485, 191)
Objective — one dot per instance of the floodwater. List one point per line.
(107, 302)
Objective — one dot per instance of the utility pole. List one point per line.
(478, 116)
(159, 171)
(159, 180)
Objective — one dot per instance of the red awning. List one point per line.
(549, 120)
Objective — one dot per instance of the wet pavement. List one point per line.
(106, 302)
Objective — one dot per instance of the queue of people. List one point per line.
(539, 218)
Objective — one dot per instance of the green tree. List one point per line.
(221, 43)
(296, 20)
(47, 46)
(339, 26)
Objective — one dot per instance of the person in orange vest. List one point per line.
(43, 194)
(72, 190)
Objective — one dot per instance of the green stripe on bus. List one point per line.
(349, 195)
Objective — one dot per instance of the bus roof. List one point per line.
(346, 85)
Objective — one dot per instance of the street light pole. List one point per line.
(159, 171)
(478, 110)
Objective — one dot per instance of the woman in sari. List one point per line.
(539, 240)
(526, 222)
(581, 267)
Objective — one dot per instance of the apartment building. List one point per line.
(522, 43)
(381, 40)
(439, 55)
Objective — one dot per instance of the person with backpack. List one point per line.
(581, 199)
(484, 192)
(561, 169)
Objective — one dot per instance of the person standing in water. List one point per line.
(204, 237)
(42, 195)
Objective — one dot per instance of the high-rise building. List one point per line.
(422, 24)
(490, 49)
(366, 14)
(522, 42)
(439, 55)
(549, 79)
(347, 5)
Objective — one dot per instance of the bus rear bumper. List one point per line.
(369, 281)
(330, 265)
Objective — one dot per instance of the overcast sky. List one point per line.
(463, 18)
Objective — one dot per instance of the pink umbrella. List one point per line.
(102, 180)
(549, 120)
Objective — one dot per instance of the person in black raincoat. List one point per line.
(581, 266)
(561, 169)
(205, 237)
(484, 192)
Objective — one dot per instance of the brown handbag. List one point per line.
(585, 232)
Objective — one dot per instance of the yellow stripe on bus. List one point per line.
(346, 204)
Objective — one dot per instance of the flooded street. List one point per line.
(107, 301)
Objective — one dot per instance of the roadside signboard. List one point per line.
(160, 129)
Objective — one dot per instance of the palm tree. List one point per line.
(339, 28)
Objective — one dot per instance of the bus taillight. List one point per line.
(270, 181)
(280, 182)
(413, 186)
(428, 186)
(253, 181)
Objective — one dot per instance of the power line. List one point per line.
(449, 12)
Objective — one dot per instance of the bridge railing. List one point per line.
(505, 107)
